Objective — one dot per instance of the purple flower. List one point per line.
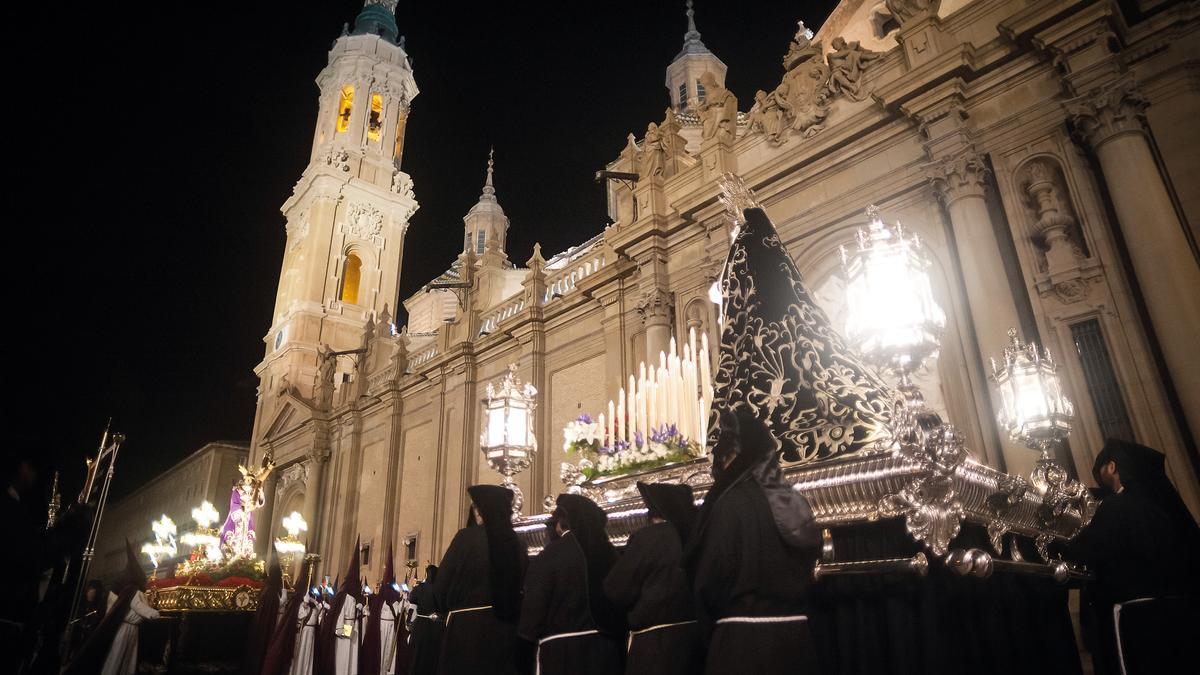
(638, 439)
(584, 418)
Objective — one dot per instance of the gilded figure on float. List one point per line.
(237, 534)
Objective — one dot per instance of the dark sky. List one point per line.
(155, 143)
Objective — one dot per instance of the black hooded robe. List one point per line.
(426, 630)
(1141, 544)
(747, 581)
(474, 639)
(557, 606)
(649, 582)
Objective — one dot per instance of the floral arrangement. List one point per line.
(588, 440)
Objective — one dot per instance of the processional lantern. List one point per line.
(204, 540)
(891, 315)
(289, 546)
(163, 547)
(507, 440)
(1035, 411)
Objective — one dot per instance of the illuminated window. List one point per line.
(699, 91)
(351, 274)
(399, 149)
(375, 121)
(683, 94)
(345, 106)
(479, 243)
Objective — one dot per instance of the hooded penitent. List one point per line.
(91, 656)
(505, 559)
(673, 503)
(782, 361)
(1143, 473)
(587, 521)
(265, 615)
(278, 659)
(325, 652)
(371, 656)
(750, 450)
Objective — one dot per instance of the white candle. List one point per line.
(602, 427)
(673, 345)
(630, 410)
(661, 387)
(692, 341)
(651, 407)
(620, 416)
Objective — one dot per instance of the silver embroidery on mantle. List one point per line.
(781, 357)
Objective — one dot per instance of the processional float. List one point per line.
(894, 486)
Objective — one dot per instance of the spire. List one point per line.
(691, 39)
(378, 17)
(488, 189)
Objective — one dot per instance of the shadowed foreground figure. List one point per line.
(295, 613)
(378, 655)
(1144, 548)
(478, 588)
(650, 584)
(751, 557)
(576, 630)
(113, 648)
(265, 618)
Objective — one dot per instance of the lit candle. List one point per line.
(620, 416)
(611, 439)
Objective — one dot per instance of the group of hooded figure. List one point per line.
(718, 589)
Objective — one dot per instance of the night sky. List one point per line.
(155, 143)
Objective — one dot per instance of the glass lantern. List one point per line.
(892, 317)
(507, 441)
(204, 541)
(289, 546)
(1035, 411)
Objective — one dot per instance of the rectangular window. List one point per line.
(375, 119)
(1103, 387)
(699, 91)
(682, 95)
(410, 547)
(479, 243)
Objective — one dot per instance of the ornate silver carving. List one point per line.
(1010, 490)
(736, 197)
(932, 511)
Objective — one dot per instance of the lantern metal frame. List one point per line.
(510, 456)
(1036, 410)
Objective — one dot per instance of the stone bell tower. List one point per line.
(348, 213)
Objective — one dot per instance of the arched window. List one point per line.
(682, 95)
(700, 93)
(345, 106)
(351, 274)
(375, 120)
(398, 151)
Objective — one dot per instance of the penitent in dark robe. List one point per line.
(1144, 547)
(751, 557)
(650, 584)
(478, 589)
(426, 627)
(565, 613)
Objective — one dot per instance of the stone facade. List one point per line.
(1040, 149)
(207, 474)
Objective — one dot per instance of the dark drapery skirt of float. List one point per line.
(763, 649)
(942, 623)
(595, 654)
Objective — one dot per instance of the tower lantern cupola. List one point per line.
(378, 17)
(695, 59)
(485, 224)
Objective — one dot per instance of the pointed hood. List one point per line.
(673, 503)
(781, 360)
(132, 575)
(352, 585)
(91, 656)
(325, 647)
(587, 524)
(506, 555)
(263, 627)
(278, 659)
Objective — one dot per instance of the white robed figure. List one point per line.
(389, 619)
(349, 635)
(310, 615)
(339, 636)
(122, 658)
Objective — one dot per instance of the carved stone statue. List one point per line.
(847, 62)
(653, 153)
(718, 113)
(905, 10)
(676, 158)
(770, 112)
(326, 365)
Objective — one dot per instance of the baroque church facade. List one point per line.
(1043, 150)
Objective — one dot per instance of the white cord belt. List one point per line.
(548, 638)
(763, 619)
(465, 609)
(632, 633)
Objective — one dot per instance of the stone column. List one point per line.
(316, 461)
(655, 308)
(960, 181)
(1110, 119)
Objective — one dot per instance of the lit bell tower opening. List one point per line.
(347, 215)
